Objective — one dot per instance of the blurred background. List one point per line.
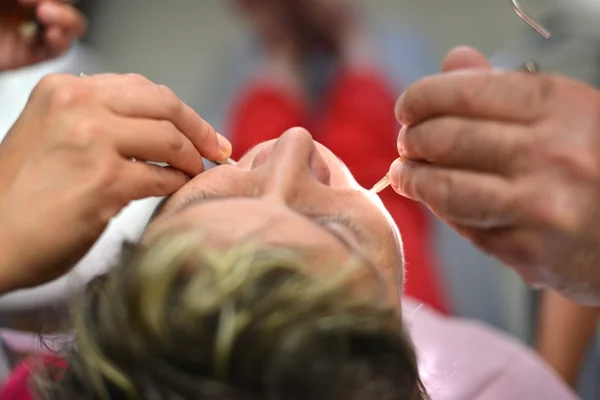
(206, 50)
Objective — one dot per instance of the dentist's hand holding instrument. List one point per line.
(512, 162)
(67, 166)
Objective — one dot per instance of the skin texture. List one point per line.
(510, 160)
(289, 192)
(61, 25)
(66, 169)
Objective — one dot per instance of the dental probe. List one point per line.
(529, 66)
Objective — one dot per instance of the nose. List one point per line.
(292, 163)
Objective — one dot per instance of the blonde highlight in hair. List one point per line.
(179, 319)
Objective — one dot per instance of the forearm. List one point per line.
(565, 332)
(8, 264)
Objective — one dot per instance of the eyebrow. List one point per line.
(203, 196)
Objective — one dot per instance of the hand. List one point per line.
(61, 25)
(66, 166)
(512, 162)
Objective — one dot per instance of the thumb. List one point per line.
(464, 58)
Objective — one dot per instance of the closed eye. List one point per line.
(326, 221)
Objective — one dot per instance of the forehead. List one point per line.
(233, 221)
(237, 218)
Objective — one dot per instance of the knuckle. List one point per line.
(69, 95)
(541, 94)
(452, 139)
(106, 175)
(85, 132)
(468, 97)
(556, 210)
(138, 78)
(409, 106)
(174, 139)
(163, 182)
(206, 131)
(412, 180)
(170, 100)
(578, 161)
(51, 82)
(443, 194)
(160, 185)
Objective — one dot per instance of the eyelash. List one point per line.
(196, 196)
(337, 219)
(333, 219)
(322, 219)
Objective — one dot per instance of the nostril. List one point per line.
(260, 158)
(319, 168)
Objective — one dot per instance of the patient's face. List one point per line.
(289, 192)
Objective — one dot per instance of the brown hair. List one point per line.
(179, 320)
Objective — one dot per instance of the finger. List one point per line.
(159, 102)
(58, 40)
(158, 141)
(473, 144)
(144, 180)
(486, 94)
(464, 57)
(462, 197)
(65, 17)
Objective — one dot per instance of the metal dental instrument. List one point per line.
(529, 66)
(528, 20)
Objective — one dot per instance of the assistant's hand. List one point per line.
(512, 162)
(66, 168)
(61, 25)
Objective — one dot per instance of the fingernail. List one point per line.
(401, 140)
(395, 172)
(398, 109)
(224, 145)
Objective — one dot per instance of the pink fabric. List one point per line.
(466, 360)
(26, 342)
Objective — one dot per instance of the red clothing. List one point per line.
(17, 387)
(358, 125)
(19, 384)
